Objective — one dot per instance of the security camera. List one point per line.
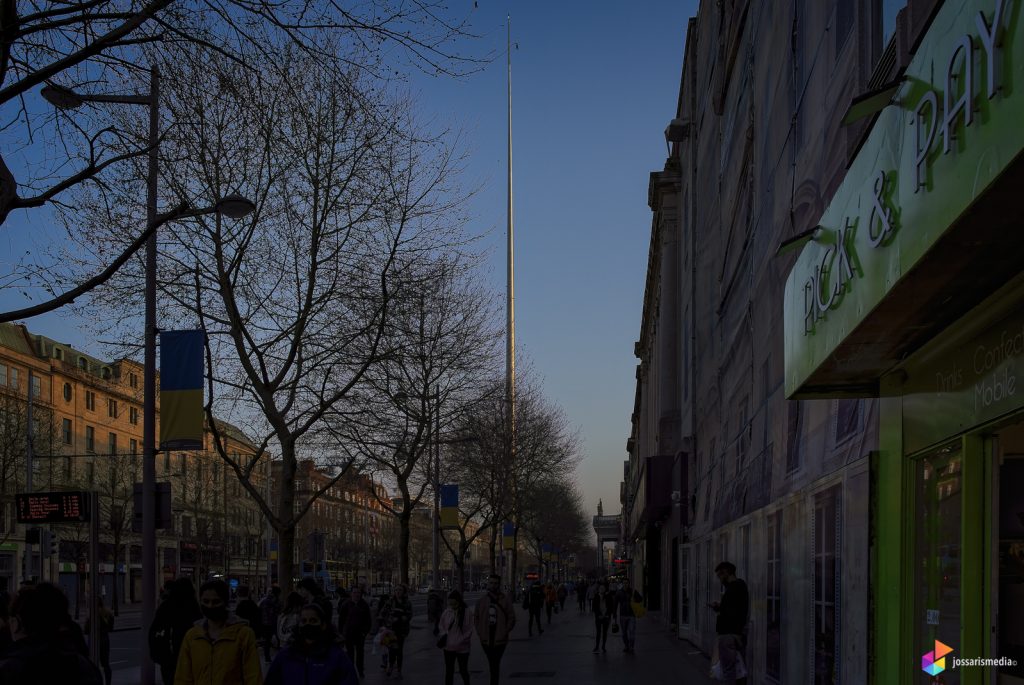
(676, 496)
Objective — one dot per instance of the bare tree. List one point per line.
(99, 44)
(440, 345)
(294, 299)
(546, 451)
(14, 441)
(552, 514)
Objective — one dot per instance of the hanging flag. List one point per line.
(546, 551)
(508, 536)
(449, 506)
(181, 390)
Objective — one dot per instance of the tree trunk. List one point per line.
(403, 543)
(285, 559)
(515, 556)
(493, 546)
(460, 564)
(285, 512)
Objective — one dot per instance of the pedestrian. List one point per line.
(397, 616)
(175, 616)
(312, 592)
(289, 617)
(457, 637)
(550, 599)
(534, 603)
(603, 606)
(220, 648)
(434, 608)
(731, 624)
(248, 610)
(270, 610)
(625, 600)
(562, 593)
(314, 656)
(581, 597)
(40, 652)
(494, 619)
(106, 626)
(354, 622)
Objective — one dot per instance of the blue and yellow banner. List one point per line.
(508, 536)
(449, 506)
(181, 390)
(547, 551)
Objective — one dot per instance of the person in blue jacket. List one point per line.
(314, 656)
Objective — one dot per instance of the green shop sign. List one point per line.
(966, 381)
(954, 126)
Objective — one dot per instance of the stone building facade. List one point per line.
(722, 466)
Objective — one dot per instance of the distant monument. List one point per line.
(600, 508)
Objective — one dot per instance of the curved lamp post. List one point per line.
(232, 206)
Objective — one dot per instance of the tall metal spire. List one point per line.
(510, 333)
(510, 340)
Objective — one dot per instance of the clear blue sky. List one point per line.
(594, 85)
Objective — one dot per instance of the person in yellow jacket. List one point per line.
(220, 649)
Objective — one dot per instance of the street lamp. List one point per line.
(232, 206)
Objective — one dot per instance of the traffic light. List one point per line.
(54, 545)
(44, 542)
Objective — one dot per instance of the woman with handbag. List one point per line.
(456, 625)
(603, 606)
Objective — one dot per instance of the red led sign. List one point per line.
(53, 507)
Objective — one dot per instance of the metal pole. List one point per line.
(435, 558)
(270, 529)
(94, 578)
(29, 468)
(146, 671)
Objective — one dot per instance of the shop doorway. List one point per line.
(938, 499)
(1008, 553)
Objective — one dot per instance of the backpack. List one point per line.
(161, 641)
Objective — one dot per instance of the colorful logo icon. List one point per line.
(934, 663)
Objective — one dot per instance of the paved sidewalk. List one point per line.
(562, 655)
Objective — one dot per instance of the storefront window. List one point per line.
(826, 533)
(937, 580)
(1011, 567)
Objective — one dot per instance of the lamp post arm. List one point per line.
(100, 278)
(106, 41)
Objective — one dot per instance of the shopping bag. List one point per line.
(716, 663)
(639, 610)
(741, 668)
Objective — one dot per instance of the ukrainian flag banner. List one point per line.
(181, 390)
(508, 536)
(546, 551)
(449, 507)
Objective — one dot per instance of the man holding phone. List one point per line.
(731, 625)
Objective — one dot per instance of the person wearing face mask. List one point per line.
(220, 648)
(314, 656)
(354, 621)
(312, 592)
(39, 653)
(456, 624)
(494, 620)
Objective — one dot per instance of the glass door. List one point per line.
(1008, 604)
(937, 559)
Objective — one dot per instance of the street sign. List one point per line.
(52, 507)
